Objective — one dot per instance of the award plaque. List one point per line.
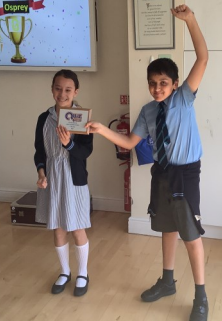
(75, 119)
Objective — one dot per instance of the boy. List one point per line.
(174, 204)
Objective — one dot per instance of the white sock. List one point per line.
(82, 253)
(63, 255)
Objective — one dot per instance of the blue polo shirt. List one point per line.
(185, 144)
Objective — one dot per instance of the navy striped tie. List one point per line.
(161, 136)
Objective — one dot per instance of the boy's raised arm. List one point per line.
(194, 78)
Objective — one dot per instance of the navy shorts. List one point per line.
(169, 214)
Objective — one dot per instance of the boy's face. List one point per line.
(161, 86)
(64, 92)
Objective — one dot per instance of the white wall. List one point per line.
(24, 95)
(208, 107)
(209, 114)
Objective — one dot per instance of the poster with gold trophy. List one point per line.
(16, 27)
(45, 33)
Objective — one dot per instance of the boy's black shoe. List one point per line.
(200, 310)
(158, 290)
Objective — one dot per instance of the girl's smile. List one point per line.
(64, 92)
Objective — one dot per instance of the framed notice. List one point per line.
(154, 24)
(75, 119)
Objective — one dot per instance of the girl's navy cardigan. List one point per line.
(79, 149)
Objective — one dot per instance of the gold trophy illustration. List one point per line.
(16, 30)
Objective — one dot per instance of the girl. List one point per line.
(63, 200)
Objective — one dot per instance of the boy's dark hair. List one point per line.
(69, 74)
(163, 66)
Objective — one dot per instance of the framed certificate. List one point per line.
(75, 119)
(154, 24)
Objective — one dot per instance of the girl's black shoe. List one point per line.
(79, 291)
(56, 289)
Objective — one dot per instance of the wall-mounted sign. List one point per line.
(154, 24)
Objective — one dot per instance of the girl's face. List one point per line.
(161, 86)
(64, 91)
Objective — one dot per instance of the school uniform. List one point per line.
(175, 189)
(65, 203)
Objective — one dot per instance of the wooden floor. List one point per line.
(121, 266)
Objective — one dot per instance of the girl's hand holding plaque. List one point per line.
(74, 120)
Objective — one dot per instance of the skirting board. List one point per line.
(11, 196)
(143, 226)
(99, 203)
(108, 204)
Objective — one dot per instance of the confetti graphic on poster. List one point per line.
(45, 33)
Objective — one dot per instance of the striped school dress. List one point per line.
(61, 204)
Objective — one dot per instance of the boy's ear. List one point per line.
(176, 84)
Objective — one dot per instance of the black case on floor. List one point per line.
(23, 210)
